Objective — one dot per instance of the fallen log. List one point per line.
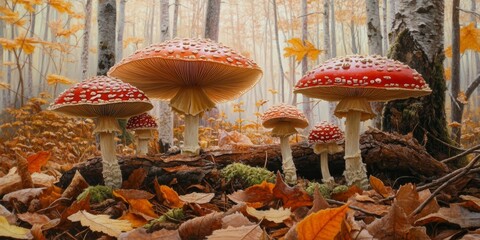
(387, 154)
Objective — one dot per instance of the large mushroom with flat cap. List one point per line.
(143, 125)
(325, 138)
(284, 119)
(193, 74)
(354, 81)
(106, 99)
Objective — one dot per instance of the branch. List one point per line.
(471, 12)
(473, 85)
(305, 15)
(473, 149)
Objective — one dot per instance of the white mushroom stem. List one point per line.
(143, 139)
(106, 128)
(326, 177)
(288, 166)
(355, 170)
(190, 142)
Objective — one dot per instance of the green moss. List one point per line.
(97, 193)
(248, 175)
(324, 189)
(339, 189)
(174, 213)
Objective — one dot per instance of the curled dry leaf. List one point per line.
(37, 161)
(101, 223)
(78, 205)
(235, 220)
(11, 218)
(273, 215)
(33, 218)
(409, 199)
(76, 186)
(42, 179)
(135, 180)
(10, 182)
(200, 227)
(319, 202)
(143, 208)
(141, 233)
(12, 231)
(471, 202)
(134, 219)
(255, 196)
(253, 232)
(199, 198)
(344, 196)
(167, 196)
(324, 224)
(292, 197)
(456, 214)
(24, 195)
(379, 187)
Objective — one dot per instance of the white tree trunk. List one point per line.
(107, 18)
(175, 19)
(333, 33)
(120, 30)
(307, 106)
(385, 28)
(212, 21)
(331, 47)
(392, 9)
(86, 38)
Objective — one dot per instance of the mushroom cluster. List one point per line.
(143, 125)
(193, 74)
(325, 137)
(106, 99)
(283, 119)
(355, 81)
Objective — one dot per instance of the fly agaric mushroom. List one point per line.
(283, 119)
(355, 81)
(106, 99)
(193, 74)
(325, 137)
(143, 125)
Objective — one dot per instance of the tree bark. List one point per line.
(279, 52)
(175, 19)
(417, 40)
(331, 48)
(212, 20)
(307, 106)
(385, 28)
(107, 18)
(120, 30)
(456, 106)
(333, 34)
(86, 38)
(2, 67)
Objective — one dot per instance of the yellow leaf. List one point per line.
(469, 40)
(324, 224)
(28, 4)
(26, 44)
(4, 85)
(12, 231)
(378, 186)
(299, 50)
(101, 223)
(8, 44)
(462, 98)
(53, 79)
(62, 6)
(11, 17)
(448, 73)
(273, 215)
(68, 32)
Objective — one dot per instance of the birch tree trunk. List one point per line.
(385, 28)
(327, 44)
(456, 106)
(374, 48)
(212, 21)
(417, 40)
(120, 30)
(279, 52)
(473, 8)
(175, 19)
(86, 38)
(107, 18)
(352, 35)
(307, 107)
(2, 67)
(29, 80)
(332, 31)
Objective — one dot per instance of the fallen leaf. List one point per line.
(292, 197)
(101, 223)
(363, 198)
(49, 195)
(42, 179)
(456, 214)
(319, 203)
(199, 198)
(234, 233)
(11, 218)
(24, 195)
(377, 209)
(273, 215)
(409, 199)
(379, 186)
(135, 180)
(12, 231)
(10, 182)
(167, 196)
(324, 224)
(394, 225)
(83, 204)
(134, 219)
(33, 218)
(200, 227)
(471, 202)
(37, 161)
(141, 233)
(255, 196)
(142, 207)
(235, 220)
(76, 186)
(37, 232)
(128, 194)
(344, 196)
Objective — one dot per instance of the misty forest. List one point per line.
(231, 119)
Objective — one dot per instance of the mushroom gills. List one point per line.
(358, 104)
(283, 129)
(191, 101)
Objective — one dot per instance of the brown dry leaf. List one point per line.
(128, 194)
(234, 233)
(292, 197)
(378, 209)
(235, 220)
(273, 215)
(24, 195)
(49, 196)
(10, 182)
(200, 227)
(141, 233)
(37, 161)
(409, 199)
(394, 225)
(33, 218)
(363, 198)
(37, 232)
(11, 218)
(135, 180)
(83, 204)
(12, 231)
(255, 196)
(417, 233)
(142, 207)
(23, 171)
(324, 224)
(471, 202)
(379, 187)
(344, 196)
(456, 214)
(319, 203)
(76, 186)
(167, 196)
(101, 223)
(199, 198)
(42, 179)
(134, 219)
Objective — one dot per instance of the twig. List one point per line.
(471, 12)
(331, 201)
(466, 152)
(445, 143)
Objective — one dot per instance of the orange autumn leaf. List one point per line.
(344, 196)
(37, 161)
(255, 196)
(469, 40)
(128, 194)
(167, 196)
(292, 197)
(378, 186)
(143, 208)
(49, 195)
(324, 224)
(134, 219)
(135, 180)
(299, 50)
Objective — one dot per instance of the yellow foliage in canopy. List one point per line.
(448, 74)
(26, 44)
(62, 6)
(53, 79)
(68, 32)
(28, 4)
(133, 40)
(11, 17)
(469, 40)
(4, 85)
(299, 50)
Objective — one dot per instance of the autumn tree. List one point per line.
(107, 18)
(212, 21)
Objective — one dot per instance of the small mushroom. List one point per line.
(143, 125)
(106, 99)
(355, 81)
(325, 137)
(283, 119)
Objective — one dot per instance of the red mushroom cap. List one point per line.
(102, 96)
(142, 121)
(324, 133)
(284, 113)
(374, 78)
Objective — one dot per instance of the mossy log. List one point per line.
(387, 154)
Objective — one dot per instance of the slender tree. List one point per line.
(175, 18)
(279, 52)
(107, 18)
(120, 30)
(333, 32)
(86, 38)
(307, 106)
(456, 106)
(212, 20)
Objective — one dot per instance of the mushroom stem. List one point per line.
(190, 144)
(326, 177)
(143, 138)
(287, 161)
(112, 175)
(355, 170)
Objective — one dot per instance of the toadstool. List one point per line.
(143, 125)
(355, 81)
(283, 119)
(325, 137)
(193, 74)
(106, 99)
